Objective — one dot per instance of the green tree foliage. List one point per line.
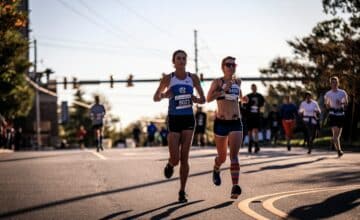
(345, 6)
(78, 115)
(332, 48)
(16, 95)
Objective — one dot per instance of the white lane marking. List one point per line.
(269, 203)
(96, 154)
(244, 204)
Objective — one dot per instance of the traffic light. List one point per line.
(75, 83)
(130, 81)
(65, 83)
(202, 83)
(111, 81)
(201, 77)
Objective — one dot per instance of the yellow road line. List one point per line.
(269, 203)
(244, 204)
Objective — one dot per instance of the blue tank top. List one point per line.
(181, 103)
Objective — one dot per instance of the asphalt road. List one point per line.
(129, 184)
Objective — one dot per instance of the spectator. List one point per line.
(81, 137)
(151, 130)
(136, 135)
(163, 135)
(200, 127)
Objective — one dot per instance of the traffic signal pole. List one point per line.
(38, 127)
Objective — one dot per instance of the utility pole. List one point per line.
(38, 131)
(196, 52)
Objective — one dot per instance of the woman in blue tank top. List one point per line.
(178, 87)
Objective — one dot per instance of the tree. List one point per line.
(16, 95)
(332, 48)
(78, 115)
(345, 6)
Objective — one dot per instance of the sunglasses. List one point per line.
(230, 65)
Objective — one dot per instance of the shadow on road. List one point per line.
(285, 166)
(38, 157)
(344, 176)
(113, 215)
(219, 206)
(329, 208)
(192, 157)
(164, 214)
(104, 193)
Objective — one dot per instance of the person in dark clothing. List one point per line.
(200, 127)
(255, 102)
(163, 134)
(18, 139)
(136, 135)
(151, 130)
(274, 123)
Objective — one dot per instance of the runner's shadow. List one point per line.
(37, 157)
(219, 206)
(194, 156)
(329, 208)
(275, 167)
(113, 215)
(166, 213)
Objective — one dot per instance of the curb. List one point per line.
(3, 151)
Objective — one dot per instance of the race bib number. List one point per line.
(183, 101)
(254, 109)
(231, 97)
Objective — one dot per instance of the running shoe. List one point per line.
(235, 191)
(182, 196)
(340, 153)
(216, 177)
(168, 170)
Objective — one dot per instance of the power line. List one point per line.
(144, 19)
(105, 20)
(94, 48)
(89, 19)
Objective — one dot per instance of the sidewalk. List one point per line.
(2, 150)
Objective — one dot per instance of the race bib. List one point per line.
(183, 101)
(231, 97)
(254, 109)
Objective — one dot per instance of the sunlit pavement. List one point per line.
(129, 184)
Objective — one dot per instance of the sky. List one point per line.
(92, 40)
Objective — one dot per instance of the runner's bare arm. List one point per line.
(201, 99)
(160, 94)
